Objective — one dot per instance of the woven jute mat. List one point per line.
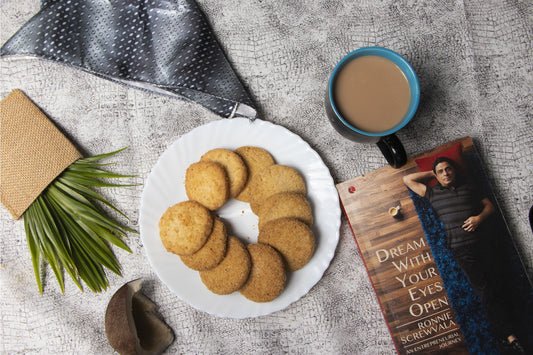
(33, 152)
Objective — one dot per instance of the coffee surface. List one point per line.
(372, 94)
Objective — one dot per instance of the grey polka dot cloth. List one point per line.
(164, 46)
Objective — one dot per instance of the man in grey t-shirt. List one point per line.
(463, 211)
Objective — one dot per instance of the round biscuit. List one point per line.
(272, 180)
(256, 159)
(267, 277)
(232, 272)
(285, 204)
(207, 182)
(234, 165)
(213, 251)
(185, 227)
(292, 238)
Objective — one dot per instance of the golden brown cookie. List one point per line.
(256, 159)
(267, 277)
(285, 204)
(272, 180)
(207, 182)
(185, 227)
(292, 238)
(213, 251)
(234, 165)
(232, 272)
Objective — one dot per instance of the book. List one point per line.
(427, 301)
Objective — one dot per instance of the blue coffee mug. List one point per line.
(388, 143)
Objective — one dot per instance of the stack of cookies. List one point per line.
(276, 194)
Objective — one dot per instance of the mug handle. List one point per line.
(393, 150)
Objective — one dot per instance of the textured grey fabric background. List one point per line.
(475, 65)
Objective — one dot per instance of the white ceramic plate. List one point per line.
(165, 187)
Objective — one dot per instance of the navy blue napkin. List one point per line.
(164, 46)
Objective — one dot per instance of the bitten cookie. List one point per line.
(256, 159)
(185, 227)
(207, 182)
(285, 204)
(272, 180)
(267, 277)
(234, 165)
(232, 272)
(292, 238)
(213, 251)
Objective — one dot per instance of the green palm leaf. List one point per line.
(66, 228)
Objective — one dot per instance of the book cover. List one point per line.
(432, 301)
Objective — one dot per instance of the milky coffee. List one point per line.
(372, 94)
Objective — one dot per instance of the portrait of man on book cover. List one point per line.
(464, 226)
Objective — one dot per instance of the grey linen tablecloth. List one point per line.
(475, 65)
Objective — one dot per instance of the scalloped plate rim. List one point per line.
(239, 132)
